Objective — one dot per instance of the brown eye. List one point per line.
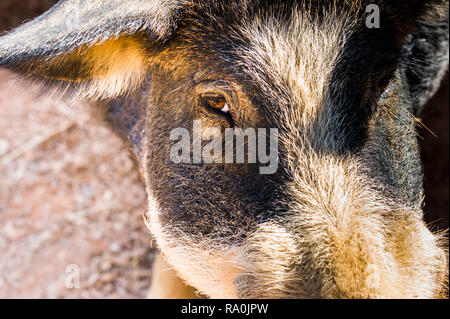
(217, 102)
(384, 84)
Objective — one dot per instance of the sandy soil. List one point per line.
(69, 194)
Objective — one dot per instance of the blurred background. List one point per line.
(69, 194)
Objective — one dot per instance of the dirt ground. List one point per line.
(70, 196)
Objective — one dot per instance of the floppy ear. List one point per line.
(426, 51)
(96, 47)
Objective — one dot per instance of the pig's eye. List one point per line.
(384, 84)
(218, 105)
(216, 102)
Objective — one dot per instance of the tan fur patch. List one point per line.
(343, 240)
(111, 67)
(166, 284)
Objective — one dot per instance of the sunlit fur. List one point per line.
(209, 267)
(166, 284)
(366, 245)
(114, 67)
(79, 41)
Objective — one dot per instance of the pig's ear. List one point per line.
(97, 48)
(426, 51)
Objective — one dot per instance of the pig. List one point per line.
(340, 81)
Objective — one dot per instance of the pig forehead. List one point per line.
(287, 59)
(295, 64)
(293, 61)
(278, 49)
